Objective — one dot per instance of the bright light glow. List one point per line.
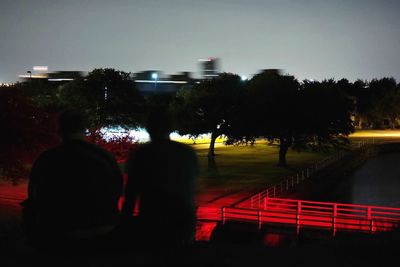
(140, 135)
(32, 76)
(376, 134)
(244, 78)
(154, 75)
(40, 68)
(60, 79)
(6, 84)
(168, 81)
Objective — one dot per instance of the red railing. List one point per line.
(303, 214)
(290, 183)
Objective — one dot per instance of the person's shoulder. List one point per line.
(138, 149)
(93, 146)
(46, 157)
(94, 149)
(179, 144)
(182, 147)
(50, 152)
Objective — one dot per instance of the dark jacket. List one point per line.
(76, 185)
(162, 175)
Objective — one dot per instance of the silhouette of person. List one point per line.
(73, 188)
(161, 181)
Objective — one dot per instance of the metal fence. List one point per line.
(288, 184)
(303, 214)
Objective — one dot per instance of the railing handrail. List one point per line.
(301, 217)
(284, 185)
(255, 213)
(283, 200)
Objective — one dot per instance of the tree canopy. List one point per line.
(109, 97)
(209, 107)
(296, 115)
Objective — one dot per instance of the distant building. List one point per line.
(209, 68)
(152, 81)
(64, 76)
(56, 76)
(147, 82)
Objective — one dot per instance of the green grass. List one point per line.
(250, 167)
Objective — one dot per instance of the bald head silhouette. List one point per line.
(72, 124)
(159, 124)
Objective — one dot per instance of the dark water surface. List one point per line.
(377, 182)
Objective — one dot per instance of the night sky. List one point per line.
(312, 39)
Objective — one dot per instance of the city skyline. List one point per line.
(308, 39)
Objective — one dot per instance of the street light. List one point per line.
(154, 76)
(30, 74)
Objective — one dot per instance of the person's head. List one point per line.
(72, 124)
(159, 124)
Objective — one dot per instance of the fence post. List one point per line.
(334, 219)
(223, 215)
(259, 219)
(298, 217)
(274, 190)
(265, 203)
(371, 224)
(287, 184)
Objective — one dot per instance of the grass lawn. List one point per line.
(249, 167)
(246, 167)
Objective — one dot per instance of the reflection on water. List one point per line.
(377, 182)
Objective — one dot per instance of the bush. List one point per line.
(119, 146)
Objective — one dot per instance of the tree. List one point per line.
(109, 98)
(25, 131)
(41, 93)
(385, 102)
(209, 107)
(273, 110)
(298, 116)
(326, 113)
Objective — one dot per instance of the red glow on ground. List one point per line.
(204, 230)
(273, 239)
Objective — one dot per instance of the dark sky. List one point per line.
(312, 39)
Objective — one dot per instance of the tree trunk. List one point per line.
(212, 166)
(211, 148)
(283, 148)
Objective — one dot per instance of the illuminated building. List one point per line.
(40, 73)
(153, 81)
(209, 67)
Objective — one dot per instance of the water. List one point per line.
(377, 182)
